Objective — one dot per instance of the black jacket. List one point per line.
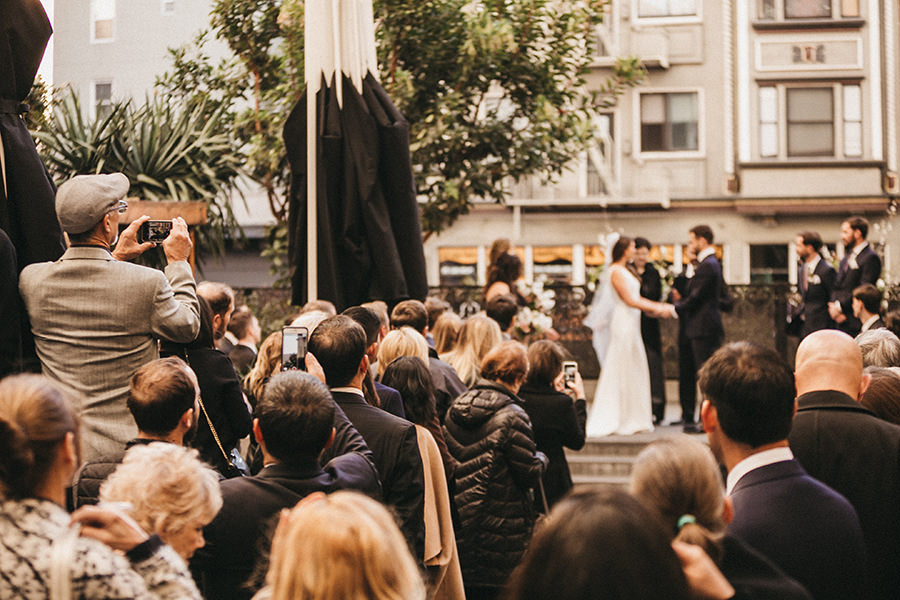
(395, 447)
(699, 310)
(240, 535)
(490, 435)
(848, 448)
(92, 474)
(816, 297)
(557, 422)
(865, 269)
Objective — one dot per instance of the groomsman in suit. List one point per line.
(815, 280)
(860, 265)
(701, 320)
(849, 449)
(799, 523)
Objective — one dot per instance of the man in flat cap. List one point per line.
(96, 318)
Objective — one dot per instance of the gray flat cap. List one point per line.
(82, 201)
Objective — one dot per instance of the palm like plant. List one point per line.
(168, 150)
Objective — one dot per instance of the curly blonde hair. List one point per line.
(167, 485)
(268, 363)
(404, 341)
(344, 546)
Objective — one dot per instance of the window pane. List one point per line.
(768, 104)
(682, 7)
(768, 139)
(810, 139)
(103, 91)
(103, 30)
(653, 108)
(653, 8)
(768, 263)
(682, 107)
(809, 105)
(853, 139)
(806, 9)
(852, 103)
(652, 137)
(684, 136)
(766, 9)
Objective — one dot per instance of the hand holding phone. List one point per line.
(154, 231)
(293, 348)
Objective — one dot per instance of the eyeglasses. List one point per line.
(120, 208)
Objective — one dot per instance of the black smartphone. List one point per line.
(570, 368)
(154, 231)
(293, 348)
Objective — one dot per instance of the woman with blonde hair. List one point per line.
(344, 546)
(445, 332)
(171, 493)
(478, 336)
(678, 479)
(42, 554)
(404, 341)
(268, 363)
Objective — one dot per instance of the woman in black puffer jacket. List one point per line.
(489, 434)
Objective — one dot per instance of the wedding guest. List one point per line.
(882, 396)
(843, 445)
(339, 547)
(651, 288)
(113, 557)
(558, 414)
(503, 309)
(268, 363)
(446, 331)
(405, 341)
(879, 348)
(779, 509)
(502, 277)
(678, 478)
(245, 326)
(604, 544)
(172, 493)
(410, 376)
(478, 336)
(489, 434)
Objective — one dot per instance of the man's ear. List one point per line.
(728, 511)
(330, 439)
(187, 419)
(864, 384)
(363, 364)
(709, 416)
(257, 432)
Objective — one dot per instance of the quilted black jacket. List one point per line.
(490, 436)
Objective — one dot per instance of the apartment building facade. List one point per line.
(761, 118)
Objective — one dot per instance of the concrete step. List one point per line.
(601, 465)
(614, 481)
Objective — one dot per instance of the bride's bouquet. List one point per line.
(534, 318)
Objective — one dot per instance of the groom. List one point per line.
(701, 321)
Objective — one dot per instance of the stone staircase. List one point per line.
(608, 461)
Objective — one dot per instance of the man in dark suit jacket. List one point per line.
(867, 307)
(389, 399)
(806, 528)
(860, 265)
(845, 446)
(701, 320)
(815, 280)
(339, 345)
(294, 421)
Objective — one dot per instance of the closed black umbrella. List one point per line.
(369, 239)
(30, 230)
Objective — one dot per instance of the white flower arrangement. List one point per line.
(535, 317)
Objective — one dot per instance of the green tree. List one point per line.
(494, 90)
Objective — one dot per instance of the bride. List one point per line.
(622, 402)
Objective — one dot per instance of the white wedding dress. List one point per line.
(622, 400)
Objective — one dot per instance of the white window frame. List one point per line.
(93, 20)
(700, 152)
(840, 120)
(666, 20)
(93, 94)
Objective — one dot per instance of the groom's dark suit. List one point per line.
(865, 268)
(701, 322)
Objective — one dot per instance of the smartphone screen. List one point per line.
(293, 348)
(569, 369)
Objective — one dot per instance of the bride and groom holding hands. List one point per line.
(622, 402)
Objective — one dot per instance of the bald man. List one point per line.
(849, 449)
